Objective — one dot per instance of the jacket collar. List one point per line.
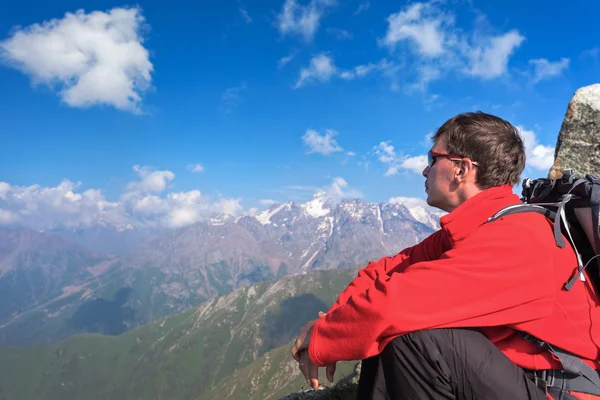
(469, 215)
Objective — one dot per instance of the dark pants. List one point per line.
(444, 364)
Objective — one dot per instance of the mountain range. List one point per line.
(53, 288)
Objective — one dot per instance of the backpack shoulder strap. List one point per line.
(537, 208)
(570, 363)
(558, 217)
(595, 206)
(522, 208)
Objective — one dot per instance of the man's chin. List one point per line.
(430, 201)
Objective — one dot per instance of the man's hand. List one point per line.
(302, 341)
(300, 353)
(309, 370)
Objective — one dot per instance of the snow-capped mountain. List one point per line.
(421, 211)
(323, 234)
(181, 268)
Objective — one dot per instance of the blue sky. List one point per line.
(110, 106)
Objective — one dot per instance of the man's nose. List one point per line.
(426, 171)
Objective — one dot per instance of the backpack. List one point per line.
(573, 203)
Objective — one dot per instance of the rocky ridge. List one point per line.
(578, 143)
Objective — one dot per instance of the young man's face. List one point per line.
(440, 184)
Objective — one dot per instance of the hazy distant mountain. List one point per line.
(37, 267)
(109, 239)
(178, 357)
(214, 257)
(184, 267)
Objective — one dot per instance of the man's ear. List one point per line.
(463, 170)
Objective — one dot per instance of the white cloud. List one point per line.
(490, 59)
(438, 46)
(283, 61)
(179, 209)
(421, 23)
(303, 20)
(46, 207)
(593, 53)
(340, 189)
(362, 7)
(4, 188)
(544, 69)
(415, 164)
(228, 206)
(350, 154)
(246, 16)
(267, 202)
(198, 168)
(323, 144)
(151, 181)
(340, 34)
(140, 205)
(321, 68)
(7, 218)
(231, 97)
(95, 58)
(539, 156)
(360, 71)
(386, 154)
(428, 140)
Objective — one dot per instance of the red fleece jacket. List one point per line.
(500, 277)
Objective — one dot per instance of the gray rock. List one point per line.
(345, 389)
(578, 144)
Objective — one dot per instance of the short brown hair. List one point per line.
(491, 141)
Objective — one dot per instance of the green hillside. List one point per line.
(273, 376)
(176, 357)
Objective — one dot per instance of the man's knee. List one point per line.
(434, 344)
(436, 337)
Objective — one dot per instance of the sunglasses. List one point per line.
(432, 156)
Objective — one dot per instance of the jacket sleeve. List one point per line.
(429, 248)
(482, 281)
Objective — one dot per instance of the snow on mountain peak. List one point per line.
(318, 206)
(221, 219)
(264, 217)
(420, 210)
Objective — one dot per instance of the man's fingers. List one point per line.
(309, 370)
(297, 347)
(294, 352)
(330, 372)
(303, 364)
(313, 375)
(321, 314)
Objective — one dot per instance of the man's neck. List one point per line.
(465, 194)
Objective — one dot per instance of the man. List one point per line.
(441, 319)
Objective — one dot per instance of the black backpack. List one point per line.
(573, 203)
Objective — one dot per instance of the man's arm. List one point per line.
(431, 248)
(483, 281)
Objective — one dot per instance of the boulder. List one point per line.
(578, 144)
